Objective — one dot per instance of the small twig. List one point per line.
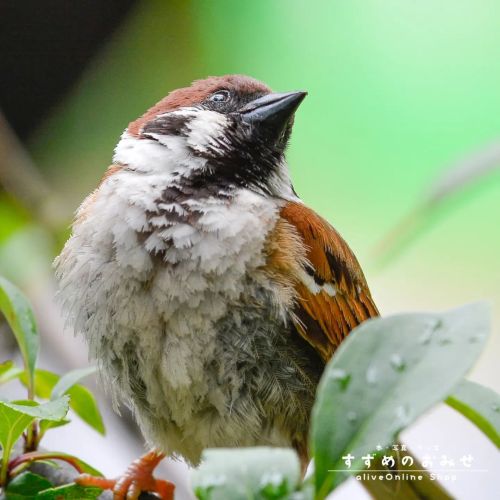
(31, 437)
(28, 458)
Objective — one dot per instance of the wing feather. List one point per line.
(332, 294)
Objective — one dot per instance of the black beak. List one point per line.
(272, 112)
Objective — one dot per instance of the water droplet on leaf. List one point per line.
(403, 413)
(352, 416)
(371, 375)
(475, 338)
(437, 324)
(425, 338)
(397, 362)
(341, 376)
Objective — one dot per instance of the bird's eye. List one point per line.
(220, 96)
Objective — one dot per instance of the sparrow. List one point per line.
(209, 294)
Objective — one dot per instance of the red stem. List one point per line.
(35, 455)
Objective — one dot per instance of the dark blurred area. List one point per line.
(45, 46)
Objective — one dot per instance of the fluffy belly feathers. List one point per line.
(171, 291)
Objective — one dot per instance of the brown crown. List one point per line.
(197, 93)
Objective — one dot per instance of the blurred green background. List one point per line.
(400, 91)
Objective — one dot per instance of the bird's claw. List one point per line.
(137, 478)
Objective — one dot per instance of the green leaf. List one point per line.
(69, 380)
(50, 463)
(69, 492)
(480, 405)
(239, 474)
(82, 401)
(44, 382)
(26, 486)
(9, 371)
(18, 313)
(12, 425)
(53, 410)
(385, 375)
(85, 406)
(45, 425)
(17, 415)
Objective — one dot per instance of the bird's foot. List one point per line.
(137, 478)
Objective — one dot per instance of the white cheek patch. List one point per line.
(206, 128)
(161, 154)
(142, 154)
(169, 153)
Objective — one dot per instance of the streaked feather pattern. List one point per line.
(332, 293)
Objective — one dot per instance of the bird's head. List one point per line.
(228, 131)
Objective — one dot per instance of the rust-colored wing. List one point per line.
(331, 290)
